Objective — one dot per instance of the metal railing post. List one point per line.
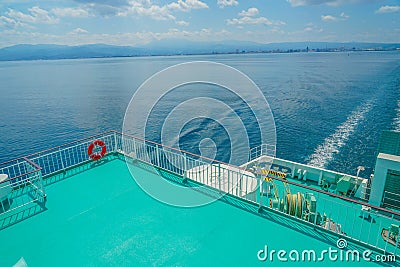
(260, 185)
(184, 167)
(229, 185)
(158, 156)
(19, 166)
(370, 226)
(316, 211)
(62, 160)
(41, 184)
(387, 239)
(219, 176)
(115, 142)
(134, 148)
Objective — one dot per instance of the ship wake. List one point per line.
(326, 151)
(396, 121)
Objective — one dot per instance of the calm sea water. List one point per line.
(329, 108)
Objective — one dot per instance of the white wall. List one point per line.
(383, 163)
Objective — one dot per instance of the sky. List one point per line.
(138, 22)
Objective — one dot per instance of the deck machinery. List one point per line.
(298, 204)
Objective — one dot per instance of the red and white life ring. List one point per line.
(97, 155)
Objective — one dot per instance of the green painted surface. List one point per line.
(100, 217)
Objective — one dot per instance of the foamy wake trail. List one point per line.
(396, 121)
(325, 152)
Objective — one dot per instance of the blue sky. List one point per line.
(137, 22)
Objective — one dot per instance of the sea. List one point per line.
(329, 109)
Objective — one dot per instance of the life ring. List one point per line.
(270, 202)
(97, 155)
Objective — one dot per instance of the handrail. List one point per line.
(337, 196)
(314, 167)
(18, 176)
(200, 157)
(178, 150)
(123, 134)
(38, 168)
(57, 147)
(51, 164)
(279, 179)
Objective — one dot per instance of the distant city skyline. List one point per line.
(138, 22)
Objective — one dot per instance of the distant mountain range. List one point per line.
(176, 47)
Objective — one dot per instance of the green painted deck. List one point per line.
(98, 216)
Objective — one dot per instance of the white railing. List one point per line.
(262, 150)
(219, 175)
(22, 187)
(70, 155)
(26, 181)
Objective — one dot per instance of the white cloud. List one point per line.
(10, 23)
(388, 9)
(11, 37)
(36, 15)
(70, 12)
(310, 30)
(341, 17)
(145, 8)
(187, 5)
(277, 30)
(279, 22)
(249, 20)
(224, 3)
(78, 31)
(309, 2)
(344, 16)
(249, 17)
(251, 12)
(154, 12)
(328, 18)
(310, 27)
(182, 23)
(324, 2)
